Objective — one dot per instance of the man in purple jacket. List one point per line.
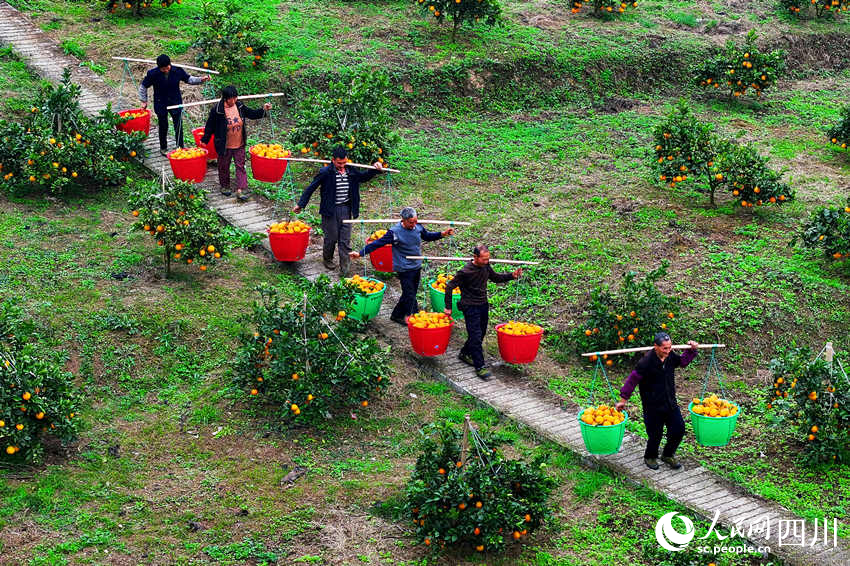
(654, 374)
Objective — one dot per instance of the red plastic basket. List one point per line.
(289, 247)
(382, 258)
(267, 169)
(518, 349)
(429, 341)
(193, 170)
(198, 133)
(141, 124)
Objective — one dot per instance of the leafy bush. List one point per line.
(37, 398)
(58, 148)
(463, 11)
(628, 316)
(814, 397)
(136, 6)
(305, 355)
(604, 7)
(741, 68)
(751, 180)
(840, 133)
(176, 216)
(484, 503)
(828, 228)
(820, 8)
(355, 113)
(227, 39)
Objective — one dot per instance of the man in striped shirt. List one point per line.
(339, 200)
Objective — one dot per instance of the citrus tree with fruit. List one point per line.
(839, 134)
(752, 182)
(600, 8)
(628, 316)
(228, 40)
(37, 397)
(355, 113)
(479, 499)
(462, 11)
(176, 216)
(136, 6)
(813, 396)
(828, 229)
(57, 148)
(815, 8)
(305, 357)
(739, 69)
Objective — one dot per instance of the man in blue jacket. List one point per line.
(165, 81)
(339, 200)
(406, 239)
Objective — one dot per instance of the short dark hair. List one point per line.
(340, 152)
(480, 249)
(163, 61)
(660, 338)
(229, 92)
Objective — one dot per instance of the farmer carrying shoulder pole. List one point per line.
(406, 239)
(472, 280)
(165, 80)
(339, 200)
(654, 374)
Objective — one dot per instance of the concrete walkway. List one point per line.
(697, 489)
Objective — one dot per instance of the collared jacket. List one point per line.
(326, 179)
(217, 124)
(166, 87)
(655, 379)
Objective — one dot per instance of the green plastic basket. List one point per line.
(366, 307)
(438, 301)
(602, 439)
(713, 431)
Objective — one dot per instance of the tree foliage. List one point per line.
(229, 40)
(741, 68)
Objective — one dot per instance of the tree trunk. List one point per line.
(167, 264)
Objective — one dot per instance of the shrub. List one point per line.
(629, 316)
(839, 134)
(136, 6)
(227, 40)
(355, 113)
(176, 216)
(820, 8)
(828, 228)
(741, 68)
(58, 148)
(604, 7)
(37, 398)
(463, 11)
(484, 503)
(305, 357)
(752, 182)
(814, 397)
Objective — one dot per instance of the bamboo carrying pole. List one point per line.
(326, 161)
(175, 64)
(214, 100)
(647, 348)
(421, 221)
(439, 258)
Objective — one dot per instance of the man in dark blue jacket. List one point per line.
(339, 200)
(165, 81)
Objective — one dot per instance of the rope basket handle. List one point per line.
(713, 367)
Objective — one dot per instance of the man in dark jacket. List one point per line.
(339, 200)
(406, 239)
(165, 80)
(654, 374)
(472, 280)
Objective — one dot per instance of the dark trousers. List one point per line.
(338, 235)
(407, 304)
(655, 420)
(476, 318)
(238, 157)
(162, 125)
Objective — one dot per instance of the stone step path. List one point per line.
(694, 487)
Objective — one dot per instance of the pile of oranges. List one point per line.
(364, 285)
(293, 227)
(440, 284)
(182, 153)
(270, 151)
(377, 235)
(603, 415)
(514, 328)
(713, 406)
(136, 114)
(424, 319)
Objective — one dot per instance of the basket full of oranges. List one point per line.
(429, 332)
(713, 419)
(189, 164)
(289, 240)
(268, 162)
(602, 428)
(519, 342)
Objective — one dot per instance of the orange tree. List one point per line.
(463, 11)
(37, 397)
(354, 112)
(58, 148)
(814, 397)
(136, 6)
(828, 229)
(604, 7)
(305, 356)
(839, 134)
(820, 8)
(739, 69)
(629, 316)
(228, 40)
(752, 182)
(177, 218)
(483, 503)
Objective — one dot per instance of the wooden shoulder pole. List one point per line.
(647, 348)
(214, 100)
(208, 71)
(449, 258)
(393, 220)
